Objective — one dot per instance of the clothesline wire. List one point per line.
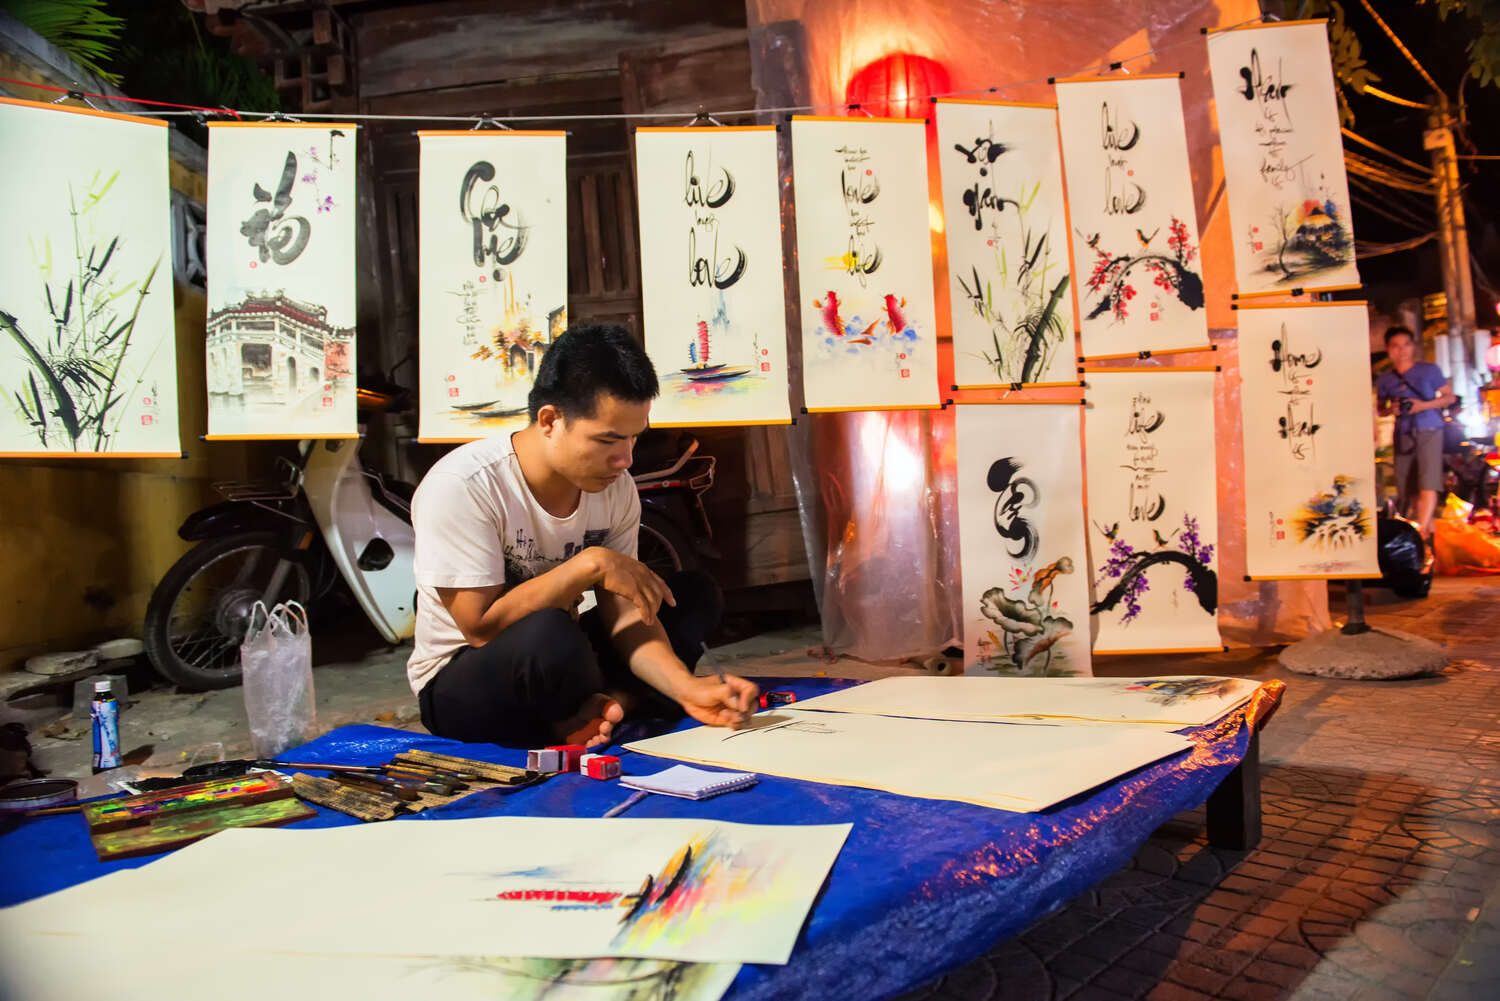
(201, 112)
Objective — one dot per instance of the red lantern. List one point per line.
(898, 86)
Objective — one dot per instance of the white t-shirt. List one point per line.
(478, 525)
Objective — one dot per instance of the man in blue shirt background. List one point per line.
(1416, 392)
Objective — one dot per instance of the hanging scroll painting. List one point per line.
(281, 273)
(864, 259)
(1309, 463)
(1284, 172)
(88, 347)
(711, 282)
(1007, 233)
(1021, 541)
(1153, 511)
(1135, 229)
(493, 275)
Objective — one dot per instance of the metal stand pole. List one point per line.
(1355, 598)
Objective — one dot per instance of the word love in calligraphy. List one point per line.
(714, 270)
(1122, 196)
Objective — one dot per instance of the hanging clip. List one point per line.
(1016, 386)
(77, 95)
(703, 116)
(484, 120)
(279, 116)
(1143, 355)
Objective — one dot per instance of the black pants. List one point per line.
(539, 671)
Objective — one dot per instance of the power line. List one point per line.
(1400, 45)
(1351, 134)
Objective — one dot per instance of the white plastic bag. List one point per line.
(276, 658)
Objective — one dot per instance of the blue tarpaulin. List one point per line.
(920, 887)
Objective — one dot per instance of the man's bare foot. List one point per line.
(594, 723)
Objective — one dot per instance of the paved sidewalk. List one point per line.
(1378, 878)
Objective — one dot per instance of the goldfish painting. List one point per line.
(896, 320)
(831, 318)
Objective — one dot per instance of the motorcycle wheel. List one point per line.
(662, 546)
(200, 611)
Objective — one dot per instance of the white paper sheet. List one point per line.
(1169, 701)
(711, 284)
(1006, 224)
(1153, 510)
(1284, 173)
(88, 343)
(864, 257)
(1309, 459)
(1021, 540)
(1019, 768)
(511, 886)
(1135, 226)
(493, 276)
(280, 345)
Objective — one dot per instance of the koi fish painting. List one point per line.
(865, 264)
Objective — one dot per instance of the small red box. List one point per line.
(600, 766)
(770, 700)
(571, 753)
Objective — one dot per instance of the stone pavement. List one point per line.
(1378, 877)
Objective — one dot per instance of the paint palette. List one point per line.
(170, 818)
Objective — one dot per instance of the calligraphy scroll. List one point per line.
(1153, 511)
(1021, 541)
(1135, 229)
(281, 272)
(88, 348)
(1309, 434)
(711, 274)
(1007, 232)
(864, 257)
(1283, 157)
(493, 275)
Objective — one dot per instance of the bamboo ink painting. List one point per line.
(280, 341)
(1284, 172)
(711, 280)
(864, 263)
(1135, 229)
(1007, 232)
(1310, 486)
(87, 332)
(493, 275)
(1153, 511)
(1021, 540)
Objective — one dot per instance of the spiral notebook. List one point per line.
(689, 783)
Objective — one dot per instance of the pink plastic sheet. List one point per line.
(877, 490)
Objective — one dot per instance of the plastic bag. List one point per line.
(1465, 550)
(277, 662)
(1402, 557)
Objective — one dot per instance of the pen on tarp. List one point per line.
(615, 811)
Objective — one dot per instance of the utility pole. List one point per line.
(1453, 241)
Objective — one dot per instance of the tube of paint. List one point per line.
(104, 711)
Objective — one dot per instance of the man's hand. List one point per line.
(715, 703)
(633, 581)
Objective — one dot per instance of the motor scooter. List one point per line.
(331, 524)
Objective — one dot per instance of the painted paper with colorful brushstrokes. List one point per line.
(698, 891)
(1170, 702)
(864, 260)
(1135, 224)
(493, 276)
(1006, 225)
(126, 966)
(1021, 541)
(88, 343)
(1153, 510)
(281, 271)
(1309, 466)
(711, 282)
(1284, 174)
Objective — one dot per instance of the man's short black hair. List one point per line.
(586, 361)
(1394, 332)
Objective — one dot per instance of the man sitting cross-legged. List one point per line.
(512, 533)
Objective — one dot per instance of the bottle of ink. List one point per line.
(105, 713)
